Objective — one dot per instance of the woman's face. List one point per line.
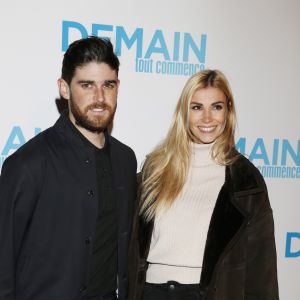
(208, 112)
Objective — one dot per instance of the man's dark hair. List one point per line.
(86, 50)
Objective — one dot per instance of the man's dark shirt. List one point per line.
(104, 261)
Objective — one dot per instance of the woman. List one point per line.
(204, 227)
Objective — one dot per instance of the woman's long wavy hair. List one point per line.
(165, 169)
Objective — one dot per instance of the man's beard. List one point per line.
(95, 124)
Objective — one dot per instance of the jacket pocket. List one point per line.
(248, 192)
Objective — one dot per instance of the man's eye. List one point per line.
(109, 85)
(86, 85)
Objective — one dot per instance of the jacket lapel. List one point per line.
(225, 222)
(144, 229)
(145, 234)
(230, 213)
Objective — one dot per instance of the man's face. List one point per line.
(92, 96)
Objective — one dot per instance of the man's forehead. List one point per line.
(95, 65)
(95, 71)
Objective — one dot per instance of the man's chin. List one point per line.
(95, 127)
(91, 127)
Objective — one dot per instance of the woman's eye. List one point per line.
(218, 107)
(196, 107)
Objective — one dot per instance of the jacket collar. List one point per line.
(67, 128)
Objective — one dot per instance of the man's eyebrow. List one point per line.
(92, 81)
(85, 81)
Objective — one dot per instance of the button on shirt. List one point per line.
(103, 267)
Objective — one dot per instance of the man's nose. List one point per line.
(99, 94)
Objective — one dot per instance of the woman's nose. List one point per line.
(207, 116)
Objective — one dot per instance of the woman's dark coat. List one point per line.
(240, 257)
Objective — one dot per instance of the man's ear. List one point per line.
(64, 89)
(118, 85)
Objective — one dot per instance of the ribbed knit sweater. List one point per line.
(179, 233)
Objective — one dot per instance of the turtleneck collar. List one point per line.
(201, 155)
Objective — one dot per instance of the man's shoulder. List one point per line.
(31, 153)
(119, 146)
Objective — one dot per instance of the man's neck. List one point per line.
(96, 138)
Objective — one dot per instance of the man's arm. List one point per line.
(17, 199)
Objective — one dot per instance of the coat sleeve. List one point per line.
(261, 274)
(17, 198)
(133, 257)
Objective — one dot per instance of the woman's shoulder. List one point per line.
(245, 174)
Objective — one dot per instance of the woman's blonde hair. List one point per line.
(165, 169)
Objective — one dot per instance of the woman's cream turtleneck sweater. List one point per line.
(179, 234)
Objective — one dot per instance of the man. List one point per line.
(66, 196)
